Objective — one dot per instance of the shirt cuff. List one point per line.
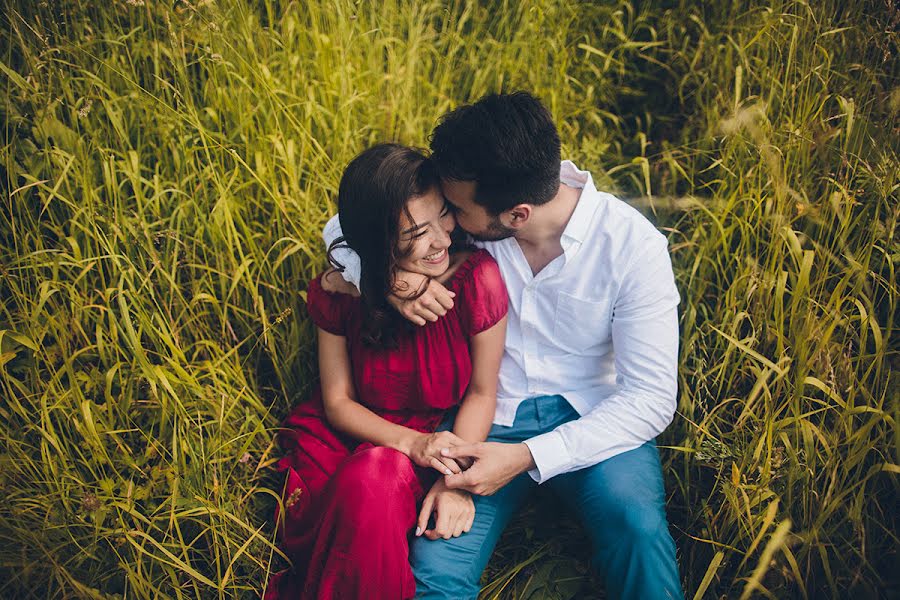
(550, 456)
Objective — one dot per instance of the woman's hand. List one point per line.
(455, 512)
(425, 451)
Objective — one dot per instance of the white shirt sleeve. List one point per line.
(342, 254)
(645, 342)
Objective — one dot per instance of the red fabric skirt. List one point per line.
(349, 510)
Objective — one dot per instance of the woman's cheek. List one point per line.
(420, 249)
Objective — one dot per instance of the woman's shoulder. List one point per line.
(478, 279)
(330, 301)
(332, 282)
(481, 292)
(478, 268)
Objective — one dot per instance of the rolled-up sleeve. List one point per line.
(342, 253)
(643, 401)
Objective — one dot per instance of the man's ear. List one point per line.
(518, 215)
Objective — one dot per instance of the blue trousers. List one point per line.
(620, 502)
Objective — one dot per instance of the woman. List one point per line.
(358, 454)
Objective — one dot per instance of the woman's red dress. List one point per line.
(350, 507)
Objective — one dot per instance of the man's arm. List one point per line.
(343, 255)
(434, 302)
(645, 342)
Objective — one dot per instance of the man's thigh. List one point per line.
(451, 569)
(595, 493)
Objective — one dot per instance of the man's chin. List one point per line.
(494, 233)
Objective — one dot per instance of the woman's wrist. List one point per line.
(407, 441)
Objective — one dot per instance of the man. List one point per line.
(588, 377)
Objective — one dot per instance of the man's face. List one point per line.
(470, 215)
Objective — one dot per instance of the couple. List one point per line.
(554, 338)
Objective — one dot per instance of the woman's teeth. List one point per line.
(436, 256)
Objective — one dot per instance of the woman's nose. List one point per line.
(443, 238)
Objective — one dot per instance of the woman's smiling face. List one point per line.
(425, 239)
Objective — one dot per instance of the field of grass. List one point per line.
(167, 168)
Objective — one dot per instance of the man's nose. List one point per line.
(452, 223)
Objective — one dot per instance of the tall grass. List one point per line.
(168, 169)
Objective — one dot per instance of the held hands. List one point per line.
(430, 306)
(425, 451)
(496, 464)
(455, 512)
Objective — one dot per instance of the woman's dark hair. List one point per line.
(373, 193)
(507, 144)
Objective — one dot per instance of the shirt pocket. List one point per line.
(581, 324)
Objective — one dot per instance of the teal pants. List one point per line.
(620, 502)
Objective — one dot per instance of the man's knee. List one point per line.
(621, 516)
(641, 521)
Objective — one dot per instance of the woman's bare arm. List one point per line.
(473, 422)
(347, 415)
(476, 413)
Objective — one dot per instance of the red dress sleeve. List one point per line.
(328, 310)
(482, 294)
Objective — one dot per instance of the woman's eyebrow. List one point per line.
(447, 206)
(411, 229)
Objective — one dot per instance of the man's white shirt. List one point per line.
(598, 326)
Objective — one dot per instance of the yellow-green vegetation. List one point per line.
(167, 168)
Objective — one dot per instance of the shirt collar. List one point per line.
(579, 223)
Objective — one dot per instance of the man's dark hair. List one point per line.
(507, 144)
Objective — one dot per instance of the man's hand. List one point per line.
(495, 465)
(455, 512)
(430, 306)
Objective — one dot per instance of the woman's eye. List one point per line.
(416, 236)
